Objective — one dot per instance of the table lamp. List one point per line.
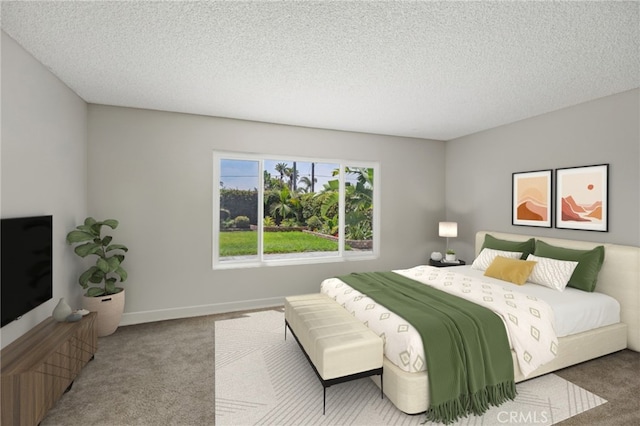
(448, 230)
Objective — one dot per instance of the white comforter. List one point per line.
(528, 320)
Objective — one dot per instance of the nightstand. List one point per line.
(443, 264)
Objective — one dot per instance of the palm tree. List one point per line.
(307, 184)
(281, 207)
(291, 175)
(359, 200)
(364, 175)
(271, 182)
(293, 179)
(283, 169)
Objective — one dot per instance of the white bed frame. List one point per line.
(618, 278)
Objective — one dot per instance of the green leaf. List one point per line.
(85, 250)
(120, 257)
(97, 276)
(333, 185)
(96, 227)
(85, 228)
(106, 240)
(123, 274)
(110, 286)
(89, 221)
(113, 262)
(111, 223)
(103, 265)
(95, 292)
(86, 275)
(330, 200)
(78, 237)
(117, 247)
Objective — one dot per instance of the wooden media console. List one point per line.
(41, 365)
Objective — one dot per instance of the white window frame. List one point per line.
(340, 256)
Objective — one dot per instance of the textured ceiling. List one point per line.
(436, 70)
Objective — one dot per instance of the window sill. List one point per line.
(292, 261)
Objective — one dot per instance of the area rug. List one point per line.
(263, 379)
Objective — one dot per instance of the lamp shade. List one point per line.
(448, 229)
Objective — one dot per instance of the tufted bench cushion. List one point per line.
(338, 346)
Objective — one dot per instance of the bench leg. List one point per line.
(324, 399)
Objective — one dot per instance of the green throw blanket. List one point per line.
(466, 347)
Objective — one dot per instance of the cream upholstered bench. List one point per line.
(338, 346)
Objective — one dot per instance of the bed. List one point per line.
(618, 285)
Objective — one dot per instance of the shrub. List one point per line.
(330, 227)
(314, 223)
(359, 231)
(268, 221)
(289, 222)
(311, 204)
(241, 222)
(239, 202)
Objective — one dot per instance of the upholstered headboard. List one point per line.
(618, 278)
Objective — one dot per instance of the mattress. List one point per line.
(574, 311)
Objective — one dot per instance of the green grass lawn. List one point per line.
(241, 243)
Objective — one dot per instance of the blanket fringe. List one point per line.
(477, 403)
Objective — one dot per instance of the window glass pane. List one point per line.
(300, 209)
(359, 209)
(238, 237)
(278, 209)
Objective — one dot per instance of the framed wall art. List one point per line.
(531, 198)
(582, 198)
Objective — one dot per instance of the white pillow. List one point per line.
(487, 255)
(552, 273)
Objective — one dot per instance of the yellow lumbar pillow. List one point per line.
(513, 270)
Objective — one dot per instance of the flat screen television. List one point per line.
(26, 268)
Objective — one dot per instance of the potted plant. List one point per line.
(100, 280)
(450, 255)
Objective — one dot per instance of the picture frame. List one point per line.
(531, 198)
(582, 198)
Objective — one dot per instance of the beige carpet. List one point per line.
(149, 374)
(261, 379)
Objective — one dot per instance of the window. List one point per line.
(278, 210)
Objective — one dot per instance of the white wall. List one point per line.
(43, 166)
(152, 171)
(479, 168)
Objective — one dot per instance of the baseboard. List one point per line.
(196, 311)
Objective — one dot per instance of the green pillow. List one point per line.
(525, 247)
(585, 276)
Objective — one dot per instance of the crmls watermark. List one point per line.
(521, 417)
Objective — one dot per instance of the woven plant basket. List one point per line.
(109, 309)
